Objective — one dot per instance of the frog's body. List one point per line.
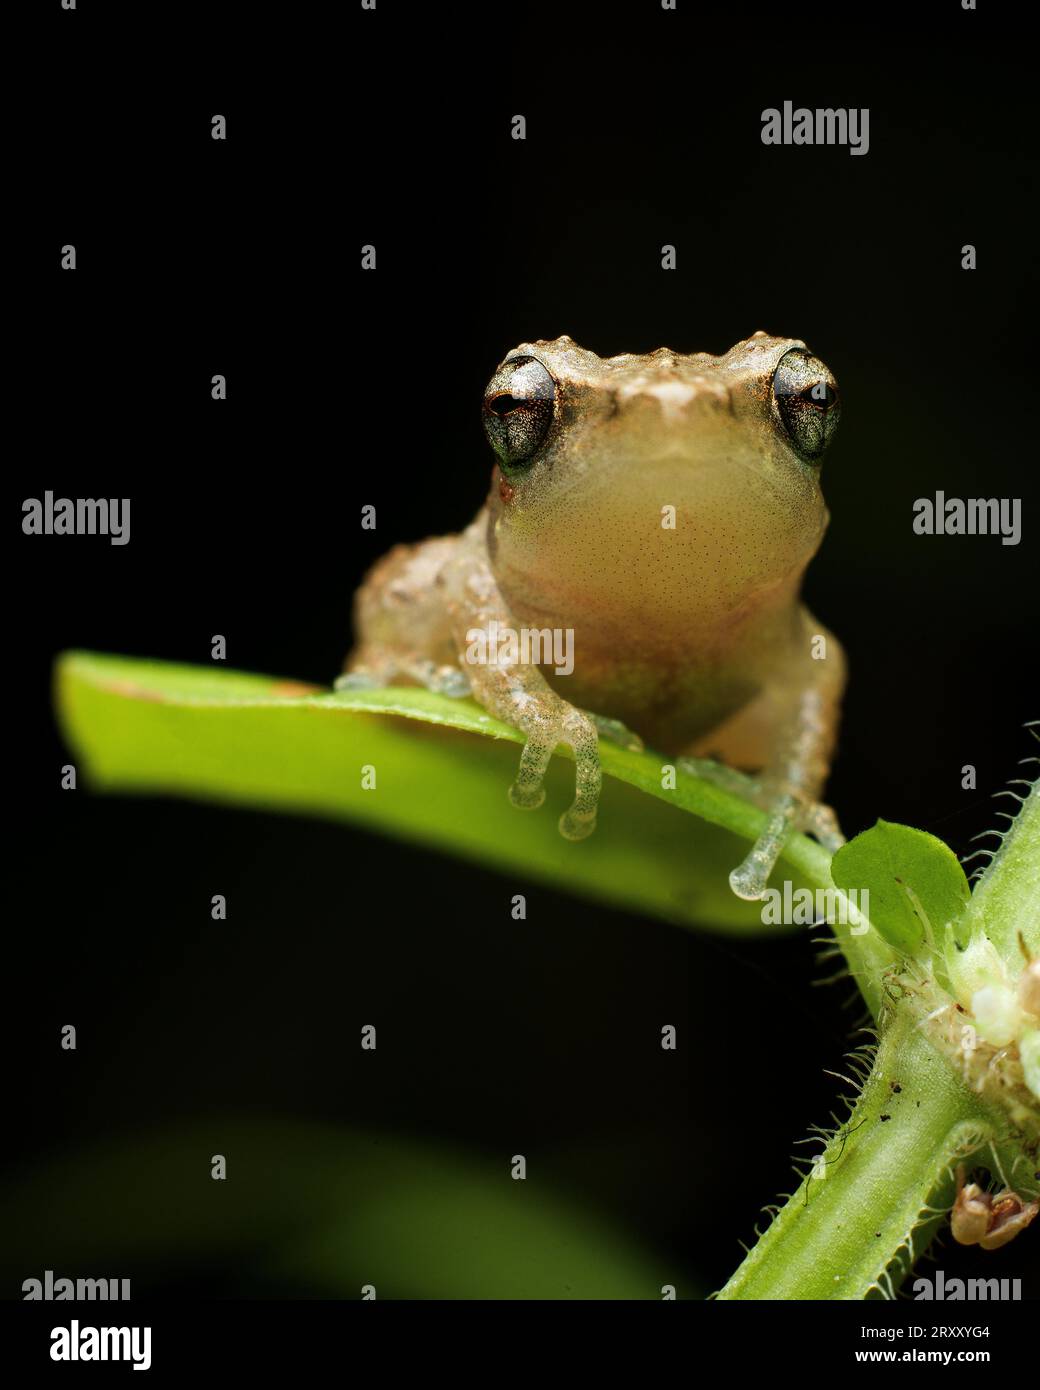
(662, 510)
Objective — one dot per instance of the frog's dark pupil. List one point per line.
(813, 396)
(502, 405)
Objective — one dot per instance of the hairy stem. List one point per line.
(862, 1212)
(1006, 899)
(882, 1181)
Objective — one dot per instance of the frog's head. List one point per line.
(691, 481)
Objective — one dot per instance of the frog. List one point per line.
(660, 510)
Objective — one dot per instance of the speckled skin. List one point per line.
(693, 637)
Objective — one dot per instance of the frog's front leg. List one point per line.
(515, 691)
(789, 793)
(401, 627)
(789, 789)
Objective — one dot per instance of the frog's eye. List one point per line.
(807, 402)
(518, 410)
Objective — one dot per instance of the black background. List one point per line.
(345, 388)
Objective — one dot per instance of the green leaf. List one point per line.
(917, 888)
(146, 727)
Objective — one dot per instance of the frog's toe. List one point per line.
(355, 680)
(449, 680)
(577, 825)
(526, 798)
(579, 821)
(748, 880)
(789, 813)
(528, 792)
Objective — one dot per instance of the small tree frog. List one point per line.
(659, 512)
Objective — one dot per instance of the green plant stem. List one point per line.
(842, 1236)
(1006, 898)
(888, 1176)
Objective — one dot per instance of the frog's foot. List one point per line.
(357, 680)
(615, 732)
(578, 731)
(748, 880)
(787, 812)
(442, 680)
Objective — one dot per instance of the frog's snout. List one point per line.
(673, 398)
